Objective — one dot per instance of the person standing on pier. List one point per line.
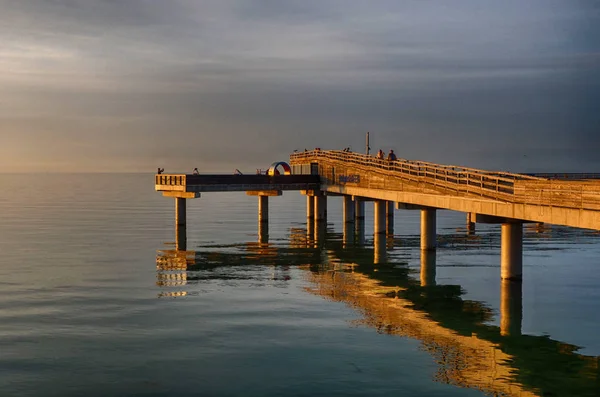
(391, 156)
(380, 154)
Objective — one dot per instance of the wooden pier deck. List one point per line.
(569, 202)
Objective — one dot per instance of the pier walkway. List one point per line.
(485, 196)
(502, 195)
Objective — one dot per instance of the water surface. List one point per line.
(95, 300)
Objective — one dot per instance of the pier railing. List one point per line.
(229, 182)
(367, 171)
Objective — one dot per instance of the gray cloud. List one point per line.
(127, 86)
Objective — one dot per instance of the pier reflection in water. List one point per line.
(469, 351)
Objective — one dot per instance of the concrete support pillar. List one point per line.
(321, 208)
(428, 229)
(349, 209)
(263, 209)
(320, 230)
(511, 308)
(390, 218)
(180, 238)
(379, 216)
(263, 232)
(511, 257)
(428, 264)
(359, 228)
(310, 207)
(180, 212)
(379, 248)
(470, 223)
(349, 234)
(359, 212)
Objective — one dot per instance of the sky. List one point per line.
(132, 85)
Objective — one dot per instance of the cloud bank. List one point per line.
(132, 85)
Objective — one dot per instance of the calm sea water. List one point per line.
(95, 300)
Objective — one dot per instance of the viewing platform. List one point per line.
(190, 186)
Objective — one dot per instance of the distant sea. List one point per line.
(95, 300)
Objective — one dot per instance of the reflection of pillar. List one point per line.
(470, 223)
(263, 232)
(511, 256)
(320, 208)
(360, 208)
(360, 231)
(180, 212)
(310, 232)
(379, 216)
(390, 218)
(349, 209)
(511, 308)
(310, 207)
(180, 238)
(320, 228)
(263, 209)
(348, 237)
(380, 252)
(428, 229)
(428, 262)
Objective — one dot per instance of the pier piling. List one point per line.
(349, 209)
(180, 212)
(390, 218)
(428, 229)
(379, 216)
(511, 256)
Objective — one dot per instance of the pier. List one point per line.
(502, 198)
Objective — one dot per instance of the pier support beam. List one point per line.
(263, 209)
(321, 208)
(180, 212)
(428, 229)
(180, 238)
(359, 231)
(511, 308)
(320, 231)
(263, 232)
(470, 223)
(310, 207)
(379, 216)
(348, 234)
(511, 256)
(349, 209)
(390, 218)
(359, 212)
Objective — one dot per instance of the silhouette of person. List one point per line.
(196, 171)
(160, 170)
(380, 154)
(391, 156)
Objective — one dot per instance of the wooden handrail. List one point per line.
(495, 184)
(499, 185)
